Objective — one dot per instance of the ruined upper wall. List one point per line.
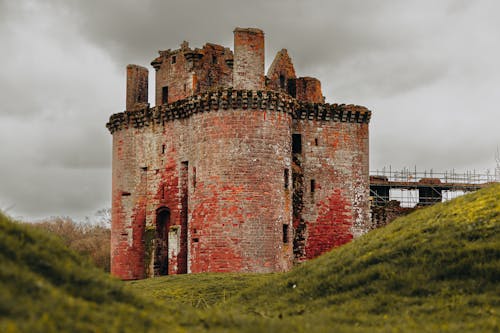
(185, 71)
(281, 73)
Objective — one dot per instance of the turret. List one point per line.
(248, 70)
(137, 86)
(308, 89)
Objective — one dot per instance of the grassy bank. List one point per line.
(435, 270)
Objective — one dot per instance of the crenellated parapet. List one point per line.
(224, 99)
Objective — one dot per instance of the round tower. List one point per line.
(241, 207)
(128, 204)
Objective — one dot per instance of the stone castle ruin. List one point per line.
(233, 170)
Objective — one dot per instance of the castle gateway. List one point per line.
(233, 170)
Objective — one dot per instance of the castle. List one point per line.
(233, 170)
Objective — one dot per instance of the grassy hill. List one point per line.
(435, 270)
(44, 287)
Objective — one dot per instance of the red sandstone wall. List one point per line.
(239, 204)
(335, 156)
(236, 200)
(128, 209)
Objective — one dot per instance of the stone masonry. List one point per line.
(233, 170)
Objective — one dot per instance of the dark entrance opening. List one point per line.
(161, 241)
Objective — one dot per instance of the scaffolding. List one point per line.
(413, 188)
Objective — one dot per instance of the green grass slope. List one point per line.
(44, 287)
(437, 269)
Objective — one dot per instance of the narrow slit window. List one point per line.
(313, 185)
(164, 95)
(316, 142)
(163, 147)
(194, 177)
(214, 59)
(174, 59)
(285, 233)
(286, 176)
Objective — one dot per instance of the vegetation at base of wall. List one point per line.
(87, 239)
(45, 287)
(436, 270)
(149, 234)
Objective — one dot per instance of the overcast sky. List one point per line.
(429, 71)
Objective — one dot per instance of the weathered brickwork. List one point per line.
(222, 179)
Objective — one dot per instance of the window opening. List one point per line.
(282, 81)
(296, 143)
(286, 177)
(285, 233)
(164, 95)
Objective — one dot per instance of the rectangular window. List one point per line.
(313, 185)
(316, 141)
(282, 81)
(174, 59)
(164, 95)
(291, 87)
(286, 176)
(214, 59)
(296, 144)
(285, 233)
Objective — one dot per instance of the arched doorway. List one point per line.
(161, 241)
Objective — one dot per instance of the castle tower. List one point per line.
(248, 70)
(231, 172)
(137, 86)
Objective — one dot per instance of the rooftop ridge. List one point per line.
(229, 98)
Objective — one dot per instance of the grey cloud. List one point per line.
(427, 69)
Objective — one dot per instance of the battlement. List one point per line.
(224, 99)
